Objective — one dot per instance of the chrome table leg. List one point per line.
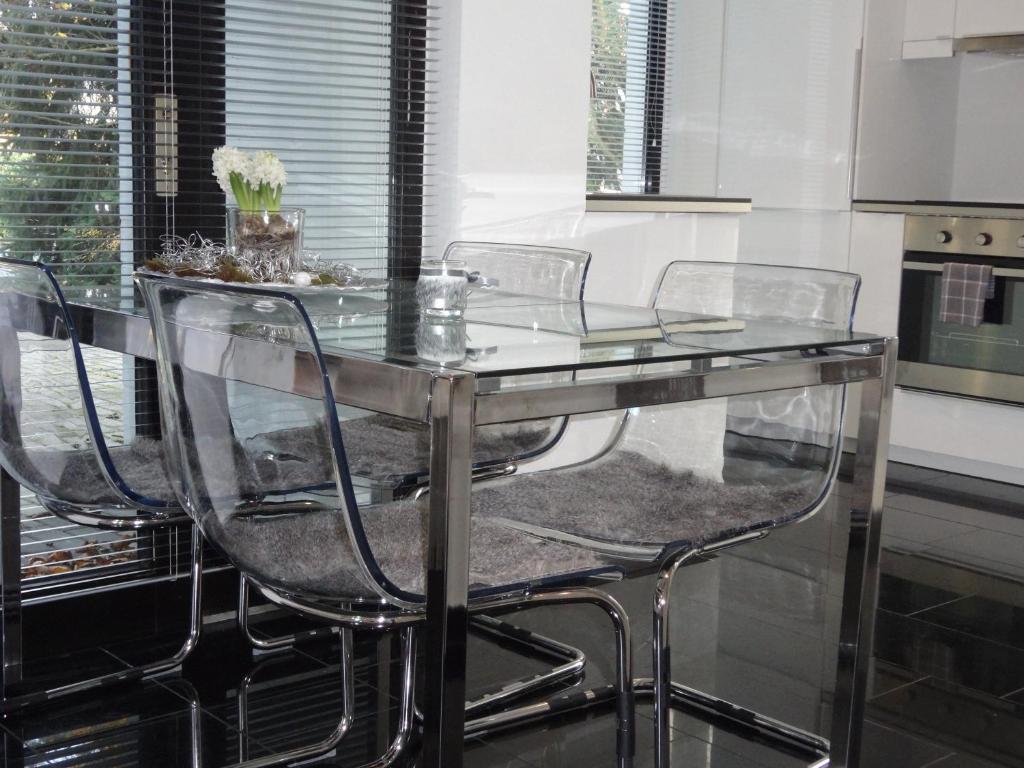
(451, 438)
(860, 587)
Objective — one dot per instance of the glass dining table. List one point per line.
(515, 357)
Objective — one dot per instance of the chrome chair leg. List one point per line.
(148, 670)
(668, 693)
(324, 747)
(310, 751)
(621, 691)
(663, 658)
(279, 643)
(407, 714)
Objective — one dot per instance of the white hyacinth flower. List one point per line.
(228, 160)
(256, 181)
(266, 168)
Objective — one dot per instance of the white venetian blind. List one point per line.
(629, 52)
(312, 81)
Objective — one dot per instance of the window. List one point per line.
(109, 113)
(629, 46)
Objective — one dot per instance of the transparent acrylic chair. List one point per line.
(314, 549)
(397, 452)
(677, 482)
(53, 443)
(393, 454)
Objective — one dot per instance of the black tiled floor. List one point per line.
(1017, 697)
(886, 747)
(964, 658)
(969, 721)
(907, 597)
(961, 761)
(757, 624)
(991, 619)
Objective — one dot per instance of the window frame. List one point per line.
(648, 139)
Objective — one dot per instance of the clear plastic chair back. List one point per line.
(789, 437)
(816, 297)
(62, 437)
(254, 445)
(537, 270)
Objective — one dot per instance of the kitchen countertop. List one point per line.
(942, 208)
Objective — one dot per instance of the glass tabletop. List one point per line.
(510, 334)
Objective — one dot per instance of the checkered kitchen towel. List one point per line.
(965, 287)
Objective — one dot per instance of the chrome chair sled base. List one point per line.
(483, 715)
(570, 661)
(667, 694)
(168, 665)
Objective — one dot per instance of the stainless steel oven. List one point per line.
(986, 361)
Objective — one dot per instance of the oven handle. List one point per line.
(923, 266)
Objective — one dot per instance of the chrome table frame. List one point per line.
(448, 401)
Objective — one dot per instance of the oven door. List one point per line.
(985, 362)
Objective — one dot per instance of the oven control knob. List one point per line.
(942, 236)
(983, 239)
(1020, 242)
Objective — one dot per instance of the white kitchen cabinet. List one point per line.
(989, 17)
(788, 90)
(876, 254)
(928, 28)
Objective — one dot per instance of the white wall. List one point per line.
(789, 96)
(804, 238)
(518, 118)
(761, 101)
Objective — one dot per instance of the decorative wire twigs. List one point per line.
(197, 256)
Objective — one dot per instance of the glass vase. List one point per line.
(442, 288)
(266, 244)
(441, 340)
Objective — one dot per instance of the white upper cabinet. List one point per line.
(989, 17)
(928, 28)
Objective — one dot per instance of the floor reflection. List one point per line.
(757, 625)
